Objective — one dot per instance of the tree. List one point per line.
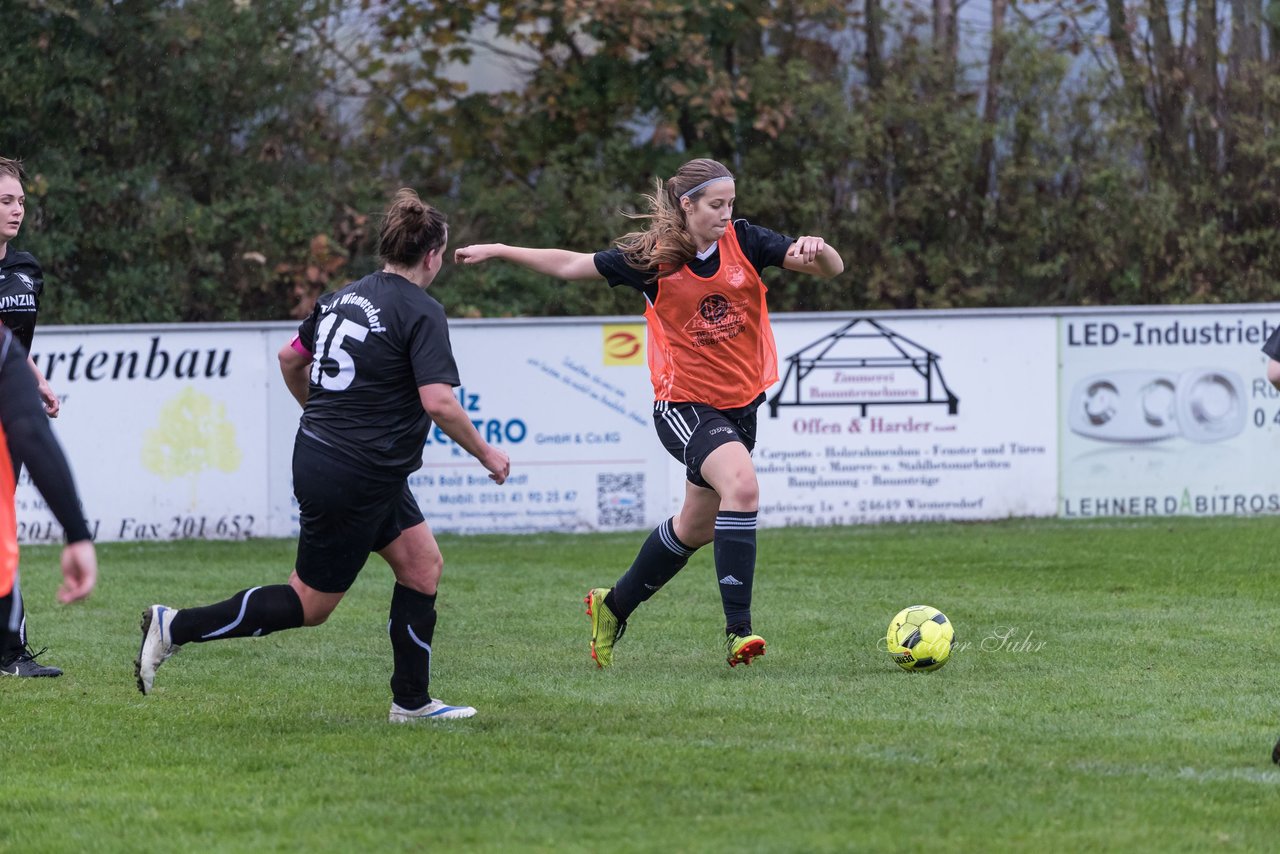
(178, 152)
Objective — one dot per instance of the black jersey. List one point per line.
(29, 436)
(21, 283)
(762, 246)
(373, 344)
(1272, 345)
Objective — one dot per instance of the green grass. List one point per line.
(1132, 707)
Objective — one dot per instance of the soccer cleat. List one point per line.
(1275, 753)
(436, 710)
(157, 644)
(742, 649)
(24, 663)
(606, 629)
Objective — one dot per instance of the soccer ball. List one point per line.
(920, 638)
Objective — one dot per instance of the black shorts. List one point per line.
(344, 516)
(691, 431)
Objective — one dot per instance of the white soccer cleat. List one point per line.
(157, 644)
(435, 710)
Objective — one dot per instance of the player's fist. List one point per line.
(476, 253)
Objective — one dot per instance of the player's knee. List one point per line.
(741, 493)
(314, 615)
(422, 574)
(695, 533)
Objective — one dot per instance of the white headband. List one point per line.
(687, 193)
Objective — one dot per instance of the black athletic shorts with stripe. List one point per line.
(691, 431)
(344, 515)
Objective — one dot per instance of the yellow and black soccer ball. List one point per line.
(920, 638)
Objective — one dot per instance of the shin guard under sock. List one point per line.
(658, 561)
(254, 612)
(411, 627)
(735, 550)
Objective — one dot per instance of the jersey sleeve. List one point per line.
(31, 439)
(307, 330)
(37, 285)
(429, 349)
(763, 247)
(617, 272)
(1272, 346)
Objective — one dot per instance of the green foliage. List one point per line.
(1098, 674)
(178, 152)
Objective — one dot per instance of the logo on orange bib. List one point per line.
(718, 319)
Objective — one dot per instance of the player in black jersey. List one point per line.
(24, 429)
(372, 368)
(21, 284)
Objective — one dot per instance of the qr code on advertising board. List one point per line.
(620, 500)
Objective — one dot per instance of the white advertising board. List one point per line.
(1168, 413)
(187, 431)
(570, 404)
(164, 429)
(905, 419)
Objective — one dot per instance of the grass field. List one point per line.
(1114, 689)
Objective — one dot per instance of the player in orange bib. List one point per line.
(711, 358)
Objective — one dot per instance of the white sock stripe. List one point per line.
(414, 637)
(731, 523)
(667, 533)
(244, 605)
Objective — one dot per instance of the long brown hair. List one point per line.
(666, 243)
(410, 230)
(12, 168)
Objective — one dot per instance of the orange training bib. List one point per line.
(709, 339)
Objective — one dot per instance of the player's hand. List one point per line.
(477, 253)
(48, 398)
(807, 248)
(498, 464)
(79, 571)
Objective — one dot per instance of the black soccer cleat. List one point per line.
(25, 664)
(1275, 753)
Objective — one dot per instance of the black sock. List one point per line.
(250, 613)
(15, 641)
(8, 603)
(659, 559)
(735, 549)
(412, 625)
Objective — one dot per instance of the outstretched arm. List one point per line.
(561, 263)
(812, 255)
